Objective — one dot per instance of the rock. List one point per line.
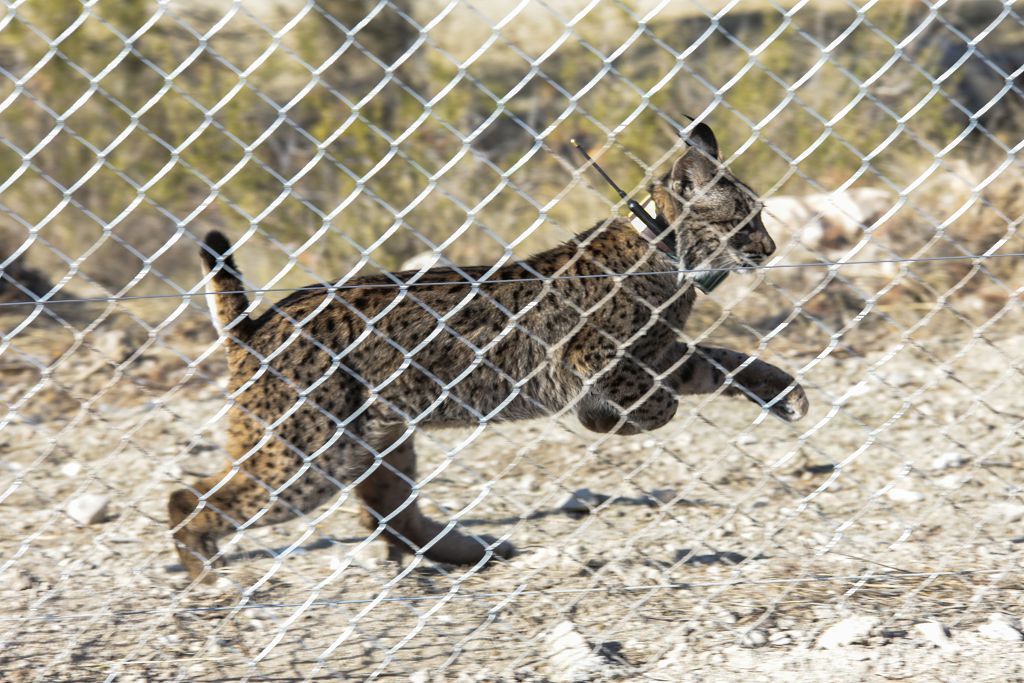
(1010, 512)
(780, 638)
(570, 657)
(937, 634)
(529, 483)
(847, 632)
(370, 558)
(222, 587)
(950, 482)
(548, 558)
(90, 508)
(746, 439)
(662, 496)
(421, 261)
(71, 469)
(170, 471)
(115, 345)
(197, 447)
(674, 656)
(19, 581)
(898, 495)
(419, 677)
(755, 638)
(824, 222)
(1001, 627)
(582, 501)
(949, 460)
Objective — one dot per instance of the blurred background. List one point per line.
(354, 135)
(340, 137)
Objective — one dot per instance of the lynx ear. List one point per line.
(703, 139)
(692, 169)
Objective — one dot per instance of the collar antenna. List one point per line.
(654, 227)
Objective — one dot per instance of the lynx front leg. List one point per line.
(705, 370)
(624, 396)
(628, 400)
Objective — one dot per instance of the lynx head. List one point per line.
(713, 219)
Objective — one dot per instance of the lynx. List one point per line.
(331, 383)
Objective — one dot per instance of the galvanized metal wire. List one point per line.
(332, 139)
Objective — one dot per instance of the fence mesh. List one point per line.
(337, 139)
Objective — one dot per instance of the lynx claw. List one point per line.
(792, 406)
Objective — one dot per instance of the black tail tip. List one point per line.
(214, 247)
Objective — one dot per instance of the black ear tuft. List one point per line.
(702, 138)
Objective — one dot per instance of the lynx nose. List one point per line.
(762, 243)
(755, 244)
(759, 244)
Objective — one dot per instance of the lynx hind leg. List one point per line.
(387, 496)
(251, 497)
(197, 527)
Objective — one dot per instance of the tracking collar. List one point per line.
(651, 229)
(706, 280)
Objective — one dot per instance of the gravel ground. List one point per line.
(879, 537)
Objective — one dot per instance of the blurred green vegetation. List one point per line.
(349, 130)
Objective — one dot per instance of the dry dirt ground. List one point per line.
(723, 545)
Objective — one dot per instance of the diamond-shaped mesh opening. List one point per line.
(461, 30)
(436, 316)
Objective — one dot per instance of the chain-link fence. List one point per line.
(337, 143)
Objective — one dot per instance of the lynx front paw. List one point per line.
(790, 404)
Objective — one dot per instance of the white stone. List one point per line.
(1001, 627)
(899, 379)
(949, 460)
(937, 634)
(114, 345)
(71, 469)
(419, 677)
(221, 586)
(582, 501)
(540, 558)
(847, 631)
(89, 508)
(950, 482)
(755, 638)
(569, 655)
(370, 557)
(19, 581)
(780, 638)
(170, 471)
(1010, 512)
(746, 439)
(898, 495)
(421, 261)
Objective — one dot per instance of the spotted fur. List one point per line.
(329, 387)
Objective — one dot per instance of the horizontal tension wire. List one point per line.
(463, 283)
